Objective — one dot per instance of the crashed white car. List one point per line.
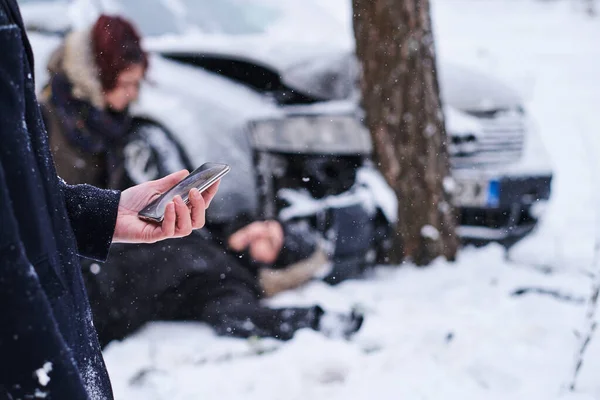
(245, 82)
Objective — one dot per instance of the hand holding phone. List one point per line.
(179, 218)
(202, 178)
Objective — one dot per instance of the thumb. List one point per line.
(164, 184)
(262, 250)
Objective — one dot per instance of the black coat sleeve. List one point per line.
(31, 346)
(93, 215)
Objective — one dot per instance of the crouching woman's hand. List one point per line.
(264, 239)
(180, 218)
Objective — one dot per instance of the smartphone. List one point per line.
(201, 178)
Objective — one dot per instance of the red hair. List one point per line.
(116, 47)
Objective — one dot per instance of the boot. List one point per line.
(340, 325)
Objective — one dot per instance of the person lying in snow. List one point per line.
(211, 276)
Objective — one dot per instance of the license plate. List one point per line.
(483, 193)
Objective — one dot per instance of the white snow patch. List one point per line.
(385, 198)
(460, 124)
(430, 232)
(449, 184)
(91, 382)
(331, 325)
(302, 204)
(42, 374)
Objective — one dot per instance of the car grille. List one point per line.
(501, 142)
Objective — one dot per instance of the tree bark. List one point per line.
(400, 94)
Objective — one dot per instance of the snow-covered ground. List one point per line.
(451, 330)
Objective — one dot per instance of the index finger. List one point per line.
(242, 238)
(239, 240)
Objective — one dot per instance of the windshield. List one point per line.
(226, 17)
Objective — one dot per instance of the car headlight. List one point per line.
(312, 134)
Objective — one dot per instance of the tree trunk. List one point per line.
(400, 94)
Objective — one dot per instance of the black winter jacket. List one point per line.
(47, 341)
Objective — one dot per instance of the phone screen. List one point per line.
(201, 178)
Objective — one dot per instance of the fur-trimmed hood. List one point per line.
(75, 60)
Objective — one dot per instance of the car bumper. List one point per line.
(513, 213)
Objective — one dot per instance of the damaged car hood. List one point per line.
(329, 72)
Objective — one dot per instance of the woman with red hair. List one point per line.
(94, 77)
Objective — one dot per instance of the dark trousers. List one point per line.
(230, 306)
(233, 309)
(186, 279)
